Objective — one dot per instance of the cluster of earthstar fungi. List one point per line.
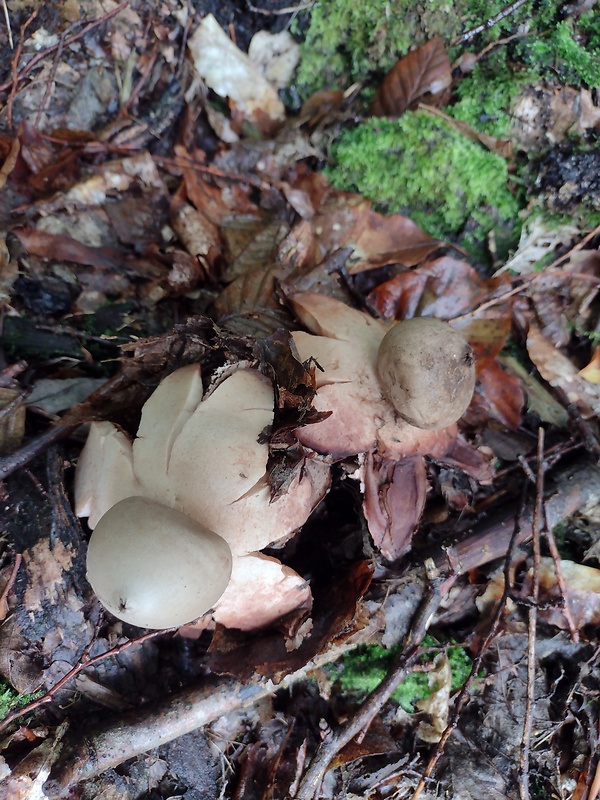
(180, 515)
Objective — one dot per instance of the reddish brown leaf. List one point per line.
(425, 70)
(498, 396)
(394, 500)
(347, 220)
(447, 288)
(198, 234)
(63, 248)
(376, 740)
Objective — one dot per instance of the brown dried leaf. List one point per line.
(12, 418)
(425, 70)
(591, 372)
(321, 106)
(347, 220)
(498, 396)
(64, 248)
(9, 162)
(198, 234)
(336, 600)
(394, 498)
(376, 740)
(502, 147)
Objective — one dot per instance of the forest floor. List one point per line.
(167, 200)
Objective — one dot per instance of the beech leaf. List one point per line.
(425, 70)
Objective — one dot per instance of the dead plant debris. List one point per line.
(174, 263)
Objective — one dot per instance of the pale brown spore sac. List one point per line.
(154, 567)
(426, 370)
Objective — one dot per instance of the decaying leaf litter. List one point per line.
(164, 212)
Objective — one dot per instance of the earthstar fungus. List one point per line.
(205, 455)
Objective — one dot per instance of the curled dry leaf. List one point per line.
(437, 705)
(201, 455)
(394, 498)
(424, 71)
(61, 247)
(114, 176)
(591, 372)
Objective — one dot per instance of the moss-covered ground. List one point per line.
(363, 669)
(418, 165)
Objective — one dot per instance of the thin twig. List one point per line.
(19, 458)
(84, 663)
(14, 66)
(50, 81)
(538, 517)
(275, 11)
(485, 26)
(138, 87)
(181, 162)
(8, 25)
(311, 782)
(562, 586)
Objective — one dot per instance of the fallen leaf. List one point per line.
(539, 239)
(437, 705)
(591, 372)
(425, 70)
(502, 147)
(394, 498)
(61, 247)
(9, 161)
(230, 73)
(55, 395)
(197, 233)
(560, 372)
(12, 418)
(376, 740)
(347, 220)
(276, 55)
(498, 396)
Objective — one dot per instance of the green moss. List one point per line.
(362, 670)
(348, 41)
(420, 166)
(561, 53)
(11, 700)
(484, 98)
